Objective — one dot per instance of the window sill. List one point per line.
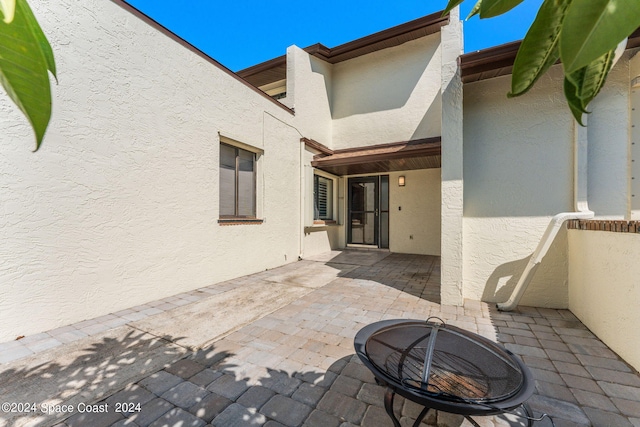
(239, 221)
(323, 223)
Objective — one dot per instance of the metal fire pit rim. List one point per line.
(462, 408)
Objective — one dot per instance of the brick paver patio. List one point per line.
(296, 366)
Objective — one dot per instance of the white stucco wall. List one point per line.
(452, 190)
(518, 173)
(120, 205)
(309, 83)
(634, 106)
(604, 288)
(609, 133)
(387, 96)
(319, 239)
(415, 229)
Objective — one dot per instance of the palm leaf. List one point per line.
(592, 28)
(491, 8)
(475, 10)
(575, 103)
(594, 76)
(539, 49)
(586, 83)
(25, 58)
(451, 5)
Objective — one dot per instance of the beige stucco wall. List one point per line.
(387, 96)
(518, 172)
(415, 229)
(319, 239)
(634, 105)
(309, 83)
(608, 133)
(452, 168)
(518, 162)
(604, 288)
(120, 205)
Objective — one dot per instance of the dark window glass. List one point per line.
(237, 182)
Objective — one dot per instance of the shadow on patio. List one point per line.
(296, 365)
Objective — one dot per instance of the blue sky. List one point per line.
(243, 33)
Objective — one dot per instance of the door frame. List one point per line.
(377, 181)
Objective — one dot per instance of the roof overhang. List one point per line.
(498, 61)
(398, 156)
(276, 69)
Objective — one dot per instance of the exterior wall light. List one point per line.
(401, 181)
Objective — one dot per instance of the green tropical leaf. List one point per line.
(539, 49)
(592, 28)
(575, 104)
(475, 10)
(8, 9)
(45, 47)
(25, 58)
(594, 77)
(586, 83)
(491, 8)
(451, 5)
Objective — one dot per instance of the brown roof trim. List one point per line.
(388, 146)
(412, 30)
(488, 63)
(391, 37)
(317, 146)
(151, 22)
(498, 61)
(380, 152)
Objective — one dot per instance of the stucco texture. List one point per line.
(604, 288)
(387, 96)
(120, 205)
(518, 173)
(414, 212)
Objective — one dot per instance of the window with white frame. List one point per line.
(237, 182)
(322, 198)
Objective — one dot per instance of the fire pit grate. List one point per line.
(443, 367)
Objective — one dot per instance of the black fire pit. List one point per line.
(444, 368)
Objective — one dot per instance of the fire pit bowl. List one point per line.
(443, 367)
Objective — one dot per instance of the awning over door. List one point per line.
(398, 156)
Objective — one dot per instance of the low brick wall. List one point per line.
(604, 225)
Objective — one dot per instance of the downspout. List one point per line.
(581, 206)
(303, 203)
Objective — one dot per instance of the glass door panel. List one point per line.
(363, 211)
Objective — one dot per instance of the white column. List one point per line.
(451, 292)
